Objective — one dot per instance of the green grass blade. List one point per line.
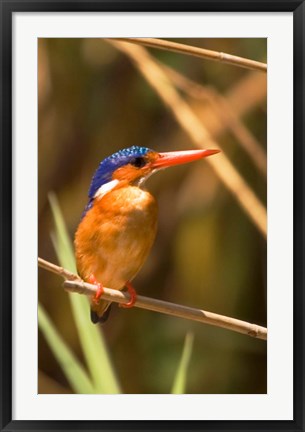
(181, 374)
(91, 337)
(73, 370)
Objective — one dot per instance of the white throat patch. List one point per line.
(105, 188)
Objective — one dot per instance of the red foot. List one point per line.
(100, 289)
(133, 296)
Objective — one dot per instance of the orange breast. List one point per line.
(115, 236)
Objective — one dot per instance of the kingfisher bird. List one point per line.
(119, 223)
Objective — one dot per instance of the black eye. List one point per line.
(138, 162)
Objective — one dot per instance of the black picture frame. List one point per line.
(8, 8)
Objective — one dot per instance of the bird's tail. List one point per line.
(99, 313)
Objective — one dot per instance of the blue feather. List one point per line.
(106, 168)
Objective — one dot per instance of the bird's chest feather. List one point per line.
(115, 236)
(125, 218)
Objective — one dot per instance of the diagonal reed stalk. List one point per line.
(78, 286)
(225, 113)
(195, 129)
(198, 52)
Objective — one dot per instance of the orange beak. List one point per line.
(180, 157)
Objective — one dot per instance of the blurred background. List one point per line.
(208, 252)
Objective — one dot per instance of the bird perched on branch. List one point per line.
(119, 223)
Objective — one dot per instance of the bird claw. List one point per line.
(100, 290)
(133, 296)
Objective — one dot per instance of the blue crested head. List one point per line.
(106, 168)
